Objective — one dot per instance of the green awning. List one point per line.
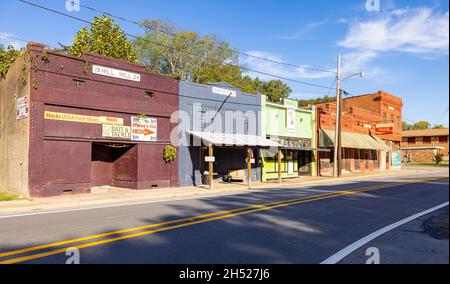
(352, 140)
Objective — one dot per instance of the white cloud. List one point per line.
(274, 68)
(419, 32)
(302, 33)
(415, 31)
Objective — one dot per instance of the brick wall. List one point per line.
(424, 156)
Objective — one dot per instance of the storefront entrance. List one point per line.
(113, 164)
(304, 163)
(230, 164)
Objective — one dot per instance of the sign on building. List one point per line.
(396, 159)
(115, 73)
(144, 129)
(383, 129)
(113, 131)
(83, 118)
(224, 92)
(290, 119)
(22, 107)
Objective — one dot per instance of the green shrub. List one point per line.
(170, 154)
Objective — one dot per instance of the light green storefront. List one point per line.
(293, 127)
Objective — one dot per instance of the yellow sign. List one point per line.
(113, 131)
(83, 118)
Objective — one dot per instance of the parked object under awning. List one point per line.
(229, 139)
(352, 140)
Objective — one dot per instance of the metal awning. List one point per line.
(308, 149)
(352, 140)
(423, 148)
(230, 139)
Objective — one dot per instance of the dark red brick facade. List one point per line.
(71, 156)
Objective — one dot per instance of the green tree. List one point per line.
(421, 125)
(406, 126)
(275, 90)
(439, 126)
(103, 37)
(304, 103)
(7, 57)
(168, 50)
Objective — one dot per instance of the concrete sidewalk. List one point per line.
(109, 196)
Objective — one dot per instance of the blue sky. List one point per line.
(403, 48)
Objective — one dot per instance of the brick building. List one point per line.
(422, 145)
(70, 124)
(371, 132)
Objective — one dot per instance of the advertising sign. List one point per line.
(113, 131)
(396, 159)
(144, 129)
(83, 118)
(115, 73)
(382, 129)
(22, 107)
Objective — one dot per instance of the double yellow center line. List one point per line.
(179, 223)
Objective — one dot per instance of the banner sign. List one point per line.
(83, 118)
(22, 107)
(116, 73)
(144, 129)
(113, 131)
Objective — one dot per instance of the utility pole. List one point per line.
(337, 139)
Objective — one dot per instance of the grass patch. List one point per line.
(7, 197)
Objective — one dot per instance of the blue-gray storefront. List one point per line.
(216, 108)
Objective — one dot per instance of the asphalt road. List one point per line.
(297, 225)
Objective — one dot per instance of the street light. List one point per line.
(360, 74)
(337, 140)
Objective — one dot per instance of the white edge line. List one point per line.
(358, 244)
(193, 197)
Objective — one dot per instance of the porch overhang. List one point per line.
(352, 140)
(230, 139)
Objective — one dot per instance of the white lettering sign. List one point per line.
(224, 92)
(116, 73)
(210, 159)
(22, 107)
(144, 129)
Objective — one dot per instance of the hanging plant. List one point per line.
(170, 154)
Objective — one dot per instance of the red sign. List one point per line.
(383, 129)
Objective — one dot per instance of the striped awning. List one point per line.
(229, 139)
(352, 140)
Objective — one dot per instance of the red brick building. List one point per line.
(420, 146)
(69, 124)
(365, 119)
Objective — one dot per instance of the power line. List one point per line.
(5, 36)
(184, 51)
(442, 116)
(230, 49)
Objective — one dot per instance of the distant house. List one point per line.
(422, 145)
